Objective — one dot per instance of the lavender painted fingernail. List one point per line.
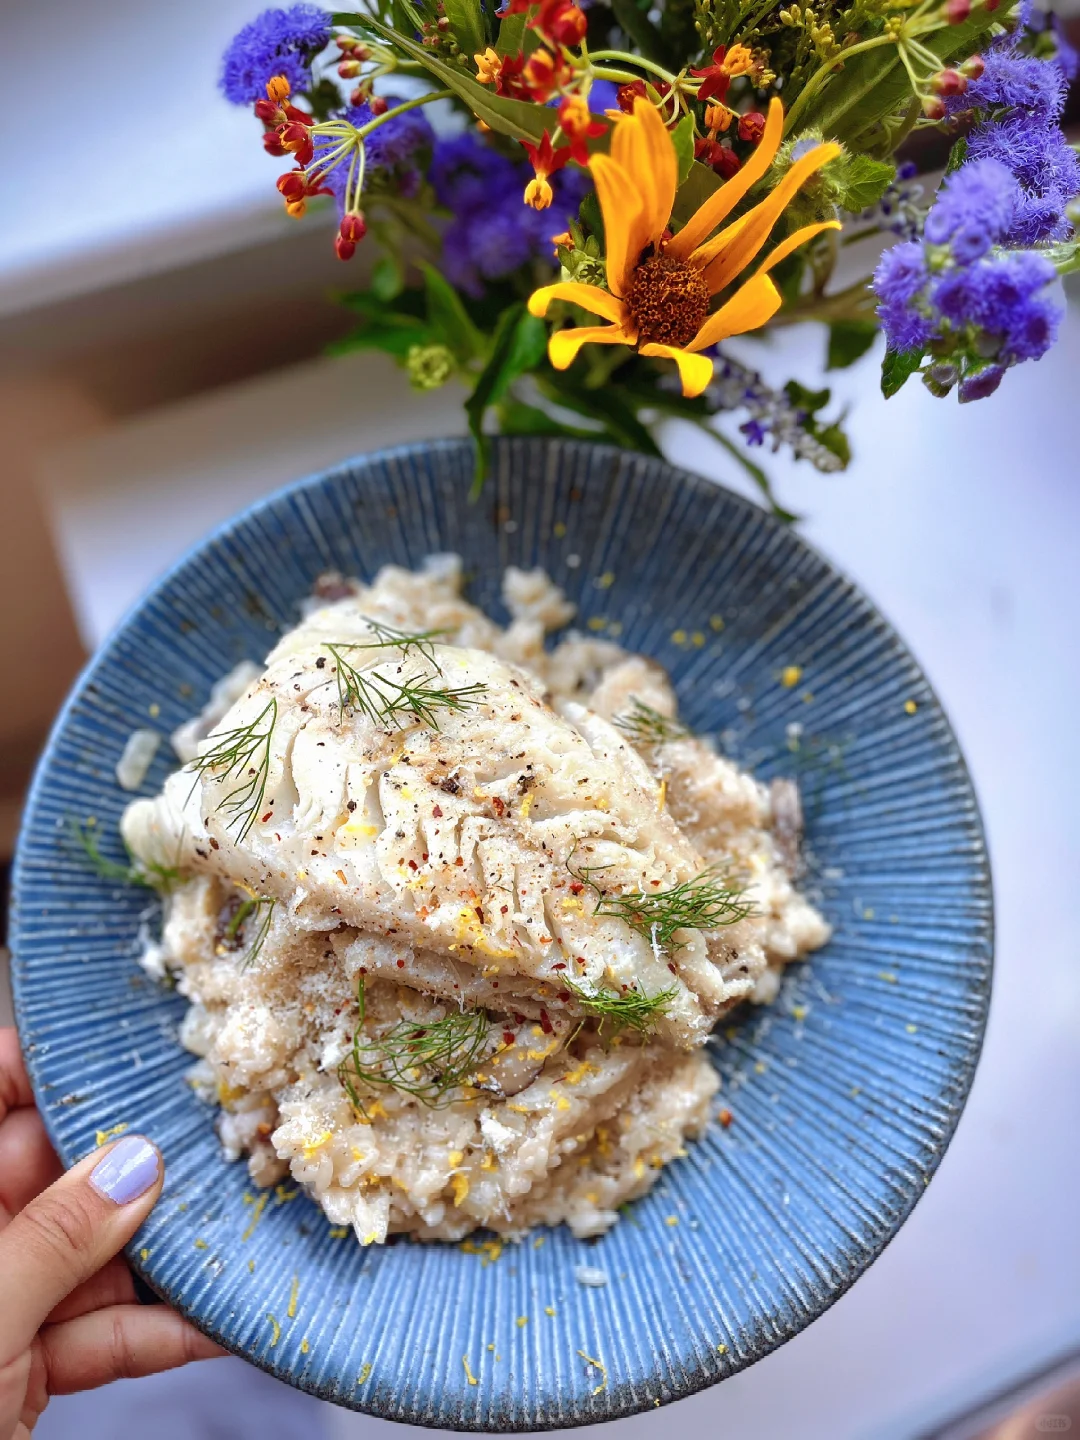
(127, 1171)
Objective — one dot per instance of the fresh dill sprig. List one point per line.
(426, 1061)
(242, 754)
(391, 639)
(136, 872)
(646, 726)
(397, 703)
(704, 903)
(259, 910)
(632, 1009)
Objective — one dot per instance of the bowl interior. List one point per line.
(843, 1094)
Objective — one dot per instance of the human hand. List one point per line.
(68, 1317)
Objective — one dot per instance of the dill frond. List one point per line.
(390, 639)
(242, 754)
(643, 725)
(397, 703)
(259, 910)
(704, 903)
(425, 1061)
(136, 872)
(633, 1009)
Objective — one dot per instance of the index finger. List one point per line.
(15, 1091)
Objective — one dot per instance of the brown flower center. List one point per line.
(668, 300)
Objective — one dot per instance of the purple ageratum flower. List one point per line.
(466, 172)
(1045, 165)
(901, 273)
(277, 42)
(1012, 80)
(493, 232)
(981, 384)
(973, 210)
(904, 327)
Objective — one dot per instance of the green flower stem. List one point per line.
(638, 60)
(817, 80)
(857, 302)
(365, 130)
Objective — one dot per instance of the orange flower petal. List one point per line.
(752, 305)
(625, 231)
(642, 145)
(721, 203)
(695, 371)
(793, 241)
(735, 247)
(565, 344)
(589, 297)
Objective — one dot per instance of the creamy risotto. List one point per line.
(456, 914)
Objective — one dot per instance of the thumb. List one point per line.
(70, 1230)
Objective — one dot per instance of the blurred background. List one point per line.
(162, 329)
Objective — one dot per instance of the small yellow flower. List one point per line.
(718, 117)
(488, 65)
(658, 291)
(538, 193)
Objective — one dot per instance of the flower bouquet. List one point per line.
(609, 190)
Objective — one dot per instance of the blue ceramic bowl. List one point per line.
(844, 1093)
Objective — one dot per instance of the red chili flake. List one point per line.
(672, 968)
(437, 812)
(498, 806)
(560, 966)
(214, 844)
(563, 995)
(363, 969)
(545, 1023)
(459, 861)
(401, 964)
(268, 816)
(725, 1117)
(424, 857)
(494, 984)
(478, 913)
(503, 909)
(413, 865)
(509, 1037)
(576, 888)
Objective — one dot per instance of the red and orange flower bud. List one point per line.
(628, 93)
(351, 231)
(349, 69)
(379, 105)
(272, 143)
(278, 89)
(973, 68)
(949, 82)
(957, 11)
(752, 126)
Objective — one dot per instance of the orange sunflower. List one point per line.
(659, 290)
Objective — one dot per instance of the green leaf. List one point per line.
(957, 155)
(605, 404)
(848, 340)
(897, 368)
(862, 182)
(517, 346)
(809, 400)
(387, 277)
(517, 418)
(700, 183)
(392, 339)
(466, 24)
(512, 34)
(834, 439)
(682, 137)
(516, 118)
(448, 318)
(592, 217)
